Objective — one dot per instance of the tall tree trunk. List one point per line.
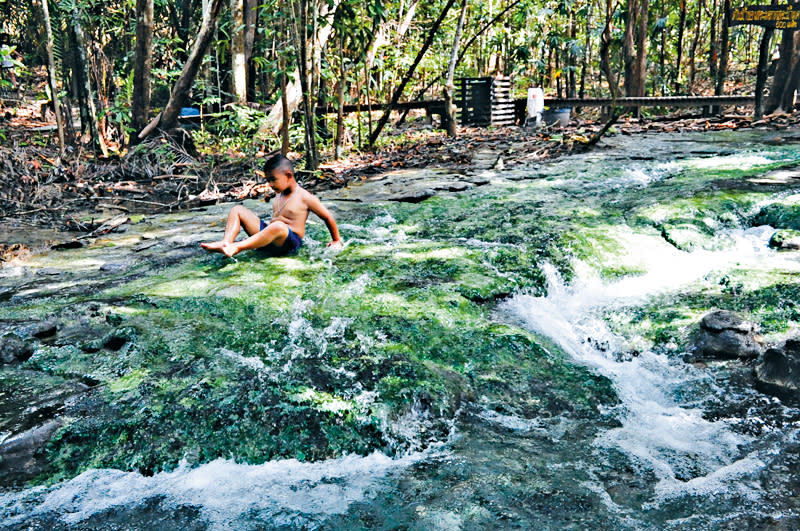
(238, 62)
(250, 21)
(572, 91)
(761, 72)
(713, 56)
(51, 77)
(367, 87)
(338, 149)
(695, 42)
(782, 93)
(449, 116)
(679, 53)
(182, 26)
(641, 48)
(140, 104)
(722, 71)
(629, 48)
(399, 90)
(85, 84)
(587, 50)
(605, 52)
(303, 16)
(662, 55)
(180, 92)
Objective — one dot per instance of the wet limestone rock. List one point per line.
(778, 372)
(45, 329)
(20, 455)
(783, 214)
(14, 350)
(785, 239)
(726, 335)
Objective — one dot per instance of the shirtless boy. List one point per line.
(284, 233)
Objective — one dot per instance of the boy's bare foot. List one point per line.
(230, 249)
(215, 247)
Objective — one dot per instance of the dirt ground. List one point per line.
(81, 192)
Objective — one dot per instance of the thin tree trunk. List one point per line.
(679, 59)
(368, 84)
(629, 49)
(662, 55)
(338, 150)
(761, 72)
(695, 42)
(451, 124)
(300, 23)
(85, 85)
(238, 53)
(399, 90)
(140, 104)
(722, 71)
(605, 52)
(587, 50)
(641, 48)
(180, 92)
(572, 91)
(250, 21)
(713, 57)
(51, 77)
(358, 113)
(182, 29)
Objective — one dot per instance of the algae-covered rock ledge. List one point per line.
(187, 356)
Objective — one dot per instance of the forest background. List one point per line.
(128, 69)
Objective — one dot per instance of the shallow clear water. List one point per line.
(683, 446)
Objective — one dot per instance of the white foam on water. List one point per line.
(743, 161)
(513, 422)
(687, 454)
(228, 495)
(252, 362)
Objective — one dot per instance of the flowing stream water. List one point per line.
(599, 266)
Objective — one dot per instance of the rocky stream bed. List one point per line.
(521, 348)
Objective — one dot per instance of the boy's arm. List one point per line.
(316, 206)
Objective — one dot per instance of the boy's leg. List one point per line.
(276, 232)
(238, 218)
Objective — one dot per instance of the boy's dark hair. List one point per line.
(278, 162)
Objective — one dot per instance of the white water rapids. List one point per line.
(658, 432)
(228, 495)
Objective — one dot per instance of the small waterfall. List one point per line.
(687, 454)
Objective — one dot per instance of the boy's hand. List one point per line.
(335, 244)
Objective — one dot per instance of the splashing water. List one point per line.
(687, 454)
(227, 494)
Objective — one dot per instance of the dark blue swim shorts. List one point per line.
(290, 246)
